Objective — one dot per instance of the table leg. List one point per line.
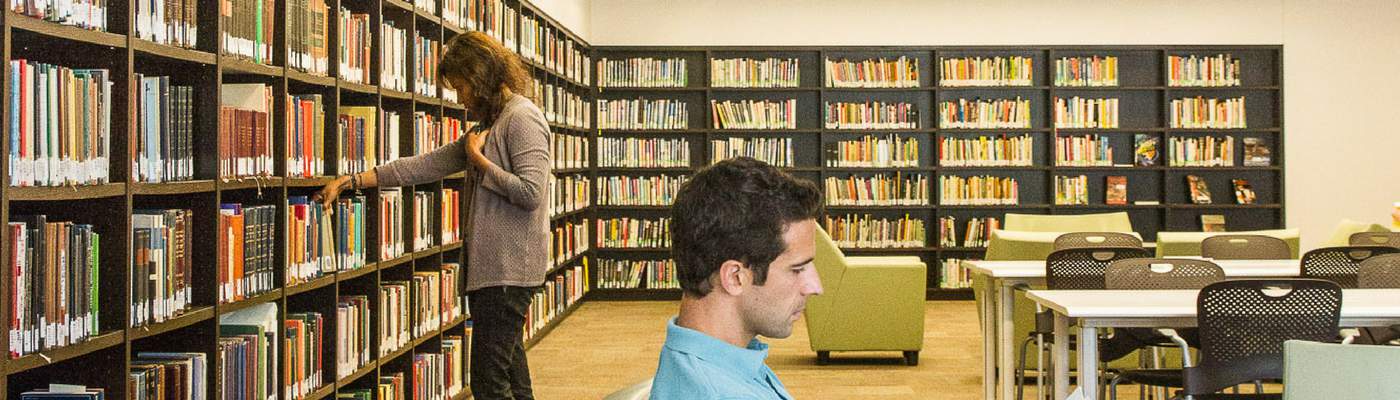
(1006, 328)
(1060, 356)
(989, 339)
(1088, 362)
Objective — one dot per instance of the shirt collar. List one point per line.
(705, 347)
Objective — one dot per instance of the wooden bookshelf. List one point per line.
(1144, 96)
(109, 206)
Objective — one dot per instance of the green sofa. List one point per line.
(867, 304)
(1177, 244)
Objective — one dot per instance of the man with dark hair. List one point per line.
(743, 241)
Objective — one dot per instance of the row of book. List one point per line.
(643, 114)
(450, 215)
(46, 147)
(54, 300)
(1081, 113)
(1071, 190)
(162, 267)
(1203, 113)
(642, 72)
(311, 247)
(878, 190)
(499, 21)
(393, 67)
(306, 139)
(1199, 190)
(163, 132)
(86, 14)
(303, 350)
(353, 41)
(1204, 151)
(424, 206)
(245, 130)
(977, 233)
(571, 193)
(570, 240)
(1208, 71)
(417, 307)
(246, 239)
(571, 151)
(987, 151)
(426, 55)
(1083, 151)
(352, 333)
(902, 72)
(872, 151)
(247, 28)
(562, 106)
(358, 137)
(1093, 71)
(774, 151)
(978, 190)
(870, 115)
(168, 376)
(248, 350)
(550, 47)
(559, 293)
(953, 275)
(866, 232)
(631, 152)
(633, 274)
(427, 132)
(986, 71)
(985, 114)
(308, 43)
(633, 233)
(754, 114)
(657, 190)
(770, 72)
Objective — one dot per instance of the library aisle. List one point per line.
(607, 345)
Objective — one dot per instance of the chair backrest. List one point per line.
(1388, 239)
(1327, 371)
(1083, 268)
(1161, 274)
(1340, 264)
(1243, 324)
(1075, 240)
(1245, 247)
(1379, 272)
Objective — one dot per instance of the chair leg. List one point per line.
(1021, 370)
(911, 358)
(823, 357)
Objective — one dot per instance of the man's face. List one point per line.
(770, 309)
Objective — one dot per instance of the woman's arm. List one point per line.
(421, 168)
(526, 184)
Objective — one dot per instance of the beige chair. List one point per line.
(637, 391)
(1341, 235)
(1245, 247)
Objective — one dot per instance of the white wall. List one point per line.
(1334, 170)
(573, 14)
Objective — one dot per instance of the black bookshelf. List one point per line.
(109, 206)
(1143, 93)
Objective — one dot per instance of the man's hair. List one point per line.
(486, 66)
(736, 209)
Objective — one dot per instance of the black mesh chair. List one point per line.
(1072, 269)
(1388, 239)
(1079, 240)
(1155, 274)
(1245, 247)
(1379, 272)
(1243, 324)
(1340, 264)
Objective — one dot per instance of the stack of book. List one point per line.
(306, 139)
(642, 72)
(54, 302)
(872, 151)
(633, 233)
(245, 131)
(643, 114)
(310, 241)
(866, 232)
(44, 152)
(246, 250)
(870, 115)
(1094, 71)
(774, 151)
(902, 72)
(1080, 113)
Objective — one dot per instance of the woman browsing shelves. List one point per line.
(506, 160)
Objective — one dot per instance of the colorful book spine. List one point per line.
(1203, 113)
(642, 72)
(630, 274)
(952, 274)
(559, 293)
(424, 207)
(54, 299)
(1204, 151)
(1203, 71)
(91, 14)
(426, 303)
(308, 45)
(245, 130)
(163, 131)
(899, 189)
(975, 235)
(306, 139)
(393, 67)
(987, 151)
(979, 190)
(162, 267)
(246, 250)
(571, 151)
(774, 151)
(664, 114)
(1093, 71)
(571, 193)
(1071, 190)
(352, 334)
(565, 108)
(310, 242)
(247, 28)
(570, 240)
(985, 114)
(303, 352)
(391, 235)
(1083, 151)
(902, 72)
(870, 115)
(349, 223)
(754, 114)
(386, 137)
(1081, 113)
(657, 190)
(395, 306)
(872, 151)
(450, 215)
(866, 232)
(986, 71)
(47, 149)
(633, 233)
(427, 132)
(630, 152)
(426, 56)
(755, 73)
(455, 363)
(357, 136)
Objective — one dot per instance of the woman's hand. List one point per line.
(331, 192)
(475, 142)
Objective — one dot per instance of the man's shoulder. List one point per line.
(686, 376)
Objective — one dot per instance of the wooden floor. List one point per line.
(604, 346)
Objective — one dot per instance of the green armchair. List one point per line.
(867, 304)
(1177, 244)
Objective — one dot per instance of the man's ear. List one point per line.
(733, 278)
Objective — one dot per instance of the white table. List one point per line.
(1003, 278)
(1093, 309)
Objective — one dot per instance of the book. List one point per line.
(902, 72)
(306, 135)
(393, 68)
(753, 73)
(358, 135)
(984, 190)
(662, 114)
(310, 244)
(568, 286)
(427, 54)
(303, 350)
(1145, 150)
(352, 334)
(570, 240)
(1212, 223)
(246, 29)
(642, 72)
(1203, 71)
(953, 275)
(1205, 151)
(1082, 113)
(1256, 152)
(979, 113)
(865, 231)
(162, 264)
(450, 212)
(571, 193)
(870, 115)
(249, 347)
(164, 130)
(981, 151)
(246, 251)
(1200, 191)
(628, 152)
(1115, 190)
(1244, 193)
(1095, 71)
(656, 190)
(47, 147)
(754, 114)
(898, 189)
(986, 71)
(774, 151)
(245, 131)
(1071, 190)
(308, 46)
(55, 298)
(1208, 113)
(186, 375)
(424, 207)
(90, 14)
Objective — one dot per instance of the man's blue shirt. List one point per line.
(696, 366)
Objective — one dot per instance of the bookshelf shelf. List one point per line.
(43, 358)
(262, 182)
(1012, 207)
(343, 276)
(356, 87)
(235, 65)
(878, 169)
(186, 187)
(569, 214)
(386, 264)
(424, 253)
(888, 249)
(370, 366)
(1225, 206)
(86, 192)
(962, 249)
(627, 208)
(557, 268)
(454, 106)
(624, 170)
(395, 94)
(400, 4)
(451, 246)
(634, 249)
(764, 90)
(432, 101)
(271, 295)
(873, 208)
(630, 90)
(878, 90)
(427, 16)
(1001, 88)
(315, 181)
(190, 317)
(571, 260)
(396, 353)
(691, 131)
(453, 28)
(982, 169)
(310, 79)
(172, 52)
(327, 280)
(571, 170)
(64, 32)
(325, 390)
